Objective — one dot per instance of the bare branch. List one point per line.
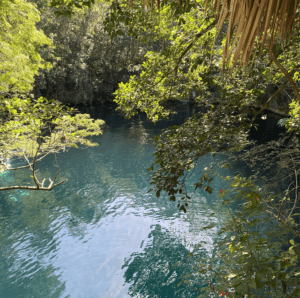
(276, 93)
(28, 166)
(32, 187)
(296, 190)
(285, 224)
(52, 182)
(31, 165)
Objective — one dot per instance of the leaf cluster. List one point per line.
(249, 259)
(20, 42)
(87, 64)
(66, 8)
(33, 131)
(192, 62)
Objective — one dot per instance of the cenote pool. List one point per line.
(101, 234)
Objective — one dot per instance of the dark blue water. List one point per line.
(101, 234)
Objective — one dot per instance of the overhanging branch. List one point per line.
(51, 186)
(197, 36)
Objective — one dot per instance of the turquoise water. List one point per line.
(101, 234)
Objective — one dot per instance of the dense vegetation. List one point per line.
(32, 128)
(87, 64)
(184, 54)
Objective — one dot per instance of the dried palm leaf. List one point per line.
(253, 21)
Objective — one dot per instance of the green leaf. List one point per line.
(204, 177)
(120, 32)
(198, 185)
(208, 188)
(87, 3)
(172, 198)
(182, 208)
(258, 281)
(292, 242)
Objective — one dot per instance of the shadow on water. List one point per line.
(101, 234)
(150, 274)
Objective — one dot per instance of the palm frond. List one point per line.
(252, 21)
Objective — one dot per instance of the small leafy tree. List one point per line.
(31, 129)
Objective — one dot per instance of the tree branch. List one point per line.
(287, 75)
(285, 224)
(296, 190)
(275, 94)
(32, 187)
(28, 166)
(197, 36)
(52, 182)
(32, 165)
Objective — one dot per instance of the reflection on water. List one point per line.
(149, 273)
(101, 234)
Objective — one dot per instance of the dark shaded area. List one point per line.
(149, 272)
(268, 129)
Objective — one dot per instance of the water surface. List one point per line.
(101, 234)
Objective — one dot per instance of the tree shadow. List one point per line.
(152, 273)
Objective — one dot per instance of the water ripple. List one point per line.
(101, 234)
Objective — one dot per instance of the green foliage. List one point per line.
(66, 8)
(32, 129)
(173, 72)
(191, 63)
(150, 24)
(87, 64)
(293, 123)
(20, 42)
(251, 258)
(44, 127)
